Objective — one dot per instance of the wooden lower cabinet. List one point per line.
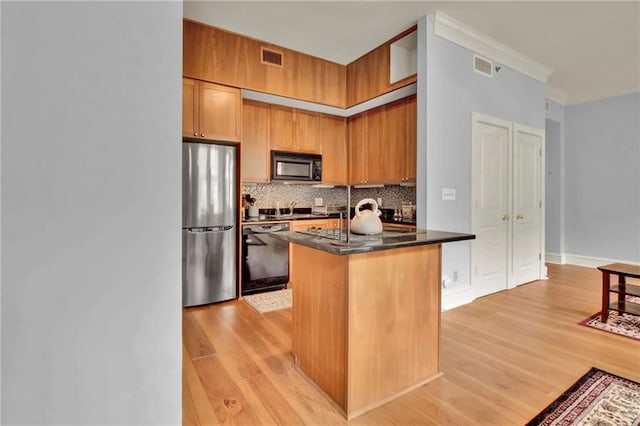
(366, 326)
(303, 225)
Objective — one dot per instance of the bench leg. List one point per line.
(604, 314)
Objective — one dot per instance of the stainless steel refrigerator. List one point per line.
(209, 223)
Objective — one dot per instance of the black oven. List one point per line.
(265, 260)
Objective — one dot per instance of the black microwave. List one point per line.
(296, 167)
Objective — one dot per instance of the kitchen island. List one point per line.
(366, 313)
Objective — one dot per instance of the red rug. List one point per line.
(598, 398)
(627, 325)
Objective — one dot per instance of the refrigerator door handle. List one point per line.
(209, 229)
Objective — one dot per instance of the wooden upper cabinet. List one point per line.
(333, 133)
(411, 145)
(382, 144)
(220, 56)
(375, 163)
(190, 125)
(307, 125)
(357, 149)
(393, 149)
(282, 135)
(369, 75)
(211, 111)
(254, 149)
(220, 110)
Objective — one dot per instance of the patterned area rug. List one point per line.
(627, 325)
(269, 301)
(598, 398)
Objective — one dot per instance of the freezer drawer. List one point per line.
(209, 271)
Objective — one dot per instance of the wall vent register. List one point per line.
(271, 57)
(482, 66)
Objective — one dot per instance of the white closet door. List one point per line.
(527, 204)
(491, 152)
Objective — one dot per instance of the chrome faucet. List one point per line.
(293, 204)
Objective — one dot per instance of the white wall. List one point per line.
(603, 180)
(91, 305)
(453, 92)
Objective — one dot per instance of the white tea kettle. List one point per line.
(367, 222)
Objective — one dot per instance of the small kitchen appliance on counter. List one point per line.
(366, 222)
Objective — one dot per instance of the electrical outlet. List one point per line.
(448, 194)
(318, 202)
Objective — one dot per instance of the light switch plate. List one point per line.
(318, 202)
(448, 194)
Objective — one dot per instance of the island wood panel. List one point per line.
(320, 319)
(333, 134)
(393, 145)
(394, 323)
(411, 146)
(255, 142)
(220, 56)
(387, 337)
(368, 76)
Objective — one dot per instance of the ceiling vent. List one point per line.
(271, 57)
(482, 66)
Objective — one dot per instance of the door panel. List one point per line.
(208, 185)
(491, 141)
(209, 262)
(527, 204)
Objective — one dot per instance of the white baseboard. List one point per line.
(555, 258)
(456, 297)
(580, 260)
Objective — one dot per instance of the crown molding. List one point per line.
(556, 95)
(465, 36)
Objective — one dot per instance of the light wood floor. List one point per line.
(504, 358)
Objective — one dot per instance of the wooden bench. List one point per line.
(623, 289)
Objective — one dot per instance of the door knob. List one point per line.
(520, 216)
(505, 217)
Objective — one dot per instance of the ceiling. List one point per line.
(593, 47)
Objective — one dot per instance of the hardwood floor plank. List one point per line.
(193, 338)
(504, 358)
(202, 407)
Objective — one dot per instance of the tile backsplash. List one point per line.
(267, 195)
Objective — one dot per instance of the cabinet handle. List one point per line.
(519, 216)
(202, 135)
(195, 134)
(505, 217)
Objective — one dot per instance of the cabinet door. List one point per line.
(333, 133)
(374, 160)
(282, 131)
(307, 125)
(189, 108)
(411, 145)
(255, 138)
(220, 112)
(358, 149)
(392, 147)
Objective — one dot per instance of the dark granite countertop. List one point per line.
(389, 239)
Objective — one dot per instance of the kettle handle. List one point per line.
(367, 201)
